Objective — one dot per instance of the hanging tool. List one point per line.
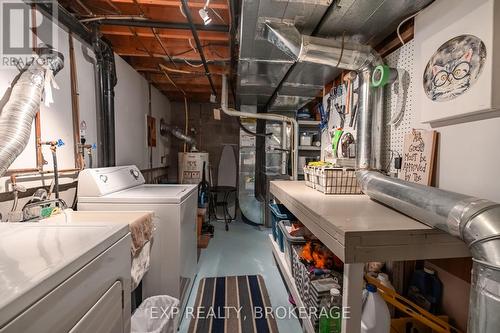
(325, 115)
(352, 122)
(340, 108)
(335, 140)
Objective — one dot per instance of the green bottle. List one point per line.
(330, 318)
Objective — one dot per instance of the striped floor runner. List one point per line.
(232, 304)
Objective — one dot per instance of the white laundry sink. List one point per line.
(140, 254)
(99, 217)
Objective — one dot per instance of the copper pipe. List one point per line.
(36, 172)
(38, 122)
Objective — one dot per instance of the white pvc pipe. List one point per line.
(266, 116)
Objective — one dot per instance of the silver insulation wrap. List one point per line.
(24, 102)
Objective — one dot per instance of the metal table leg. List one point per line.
(352, 298)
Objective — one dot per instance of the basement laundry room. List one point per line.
(249, 166)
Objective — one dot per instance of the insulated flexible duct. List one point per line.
(24, 102)
(475, 221)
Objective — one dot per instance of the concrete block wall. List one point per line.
(211, 134)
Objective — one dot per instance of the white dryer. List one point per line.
(174, 251)
(64, 278)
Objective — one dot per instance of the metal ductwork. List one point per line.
(23, 104)
(475, 221)
(269, 77)
(177, 132)
(345, 55)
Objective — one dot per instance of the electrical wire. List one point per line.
(192, 65)
(403, 22)
(186, 113)
(182, 10)
(218, 15)
(342, 49)
(191, 44)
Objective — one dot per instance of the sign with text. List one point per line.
(25, 30)
(418, 156)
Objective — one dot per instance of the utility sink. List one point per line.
(98, 217)
(140, 227)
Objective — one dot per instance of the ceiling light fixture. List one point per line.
(204, 13)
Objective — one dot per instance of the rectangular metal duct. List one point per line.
(261, 66)
(360, 20)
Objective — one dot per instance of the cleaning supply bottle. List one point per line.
(330, 319)
(203, 190)
(375, 317)
(426, 289)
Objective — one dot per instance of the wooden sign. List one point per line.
(151, 131)
(418, 156)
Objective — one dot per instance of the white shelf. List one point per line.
(290, 282)
(308, 122)
(315, 148)
(358, 229)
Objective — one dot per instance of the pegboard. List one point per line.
(393, 137)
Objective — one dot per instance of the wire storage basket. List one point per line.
(332, 180)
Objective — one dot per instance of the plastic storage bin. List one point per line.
(289, 241)
(279, 213)
(156, 314)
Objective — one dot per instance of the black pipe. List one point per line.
(63, 18)
(106, 80)
(56, 172)
(161, 25)
(187, 12)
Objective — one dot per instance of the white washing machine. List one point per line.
(174, 251)
(62, 278)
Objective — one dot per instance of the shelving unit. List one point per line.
(359, 230)
(308, 122)
(290, 282)
(312, 148)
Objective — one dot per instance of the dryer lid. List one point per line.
(157, 194)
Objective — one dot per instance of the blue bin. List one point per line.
(279, 213)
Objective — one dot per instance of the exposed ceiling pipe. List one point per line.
(187, 12)
(265, 116)
(475, 221)
(346, 55)
(64, 18)
(24, 101)
(140, 23)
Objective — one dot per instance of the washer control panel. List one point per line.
(101, 181)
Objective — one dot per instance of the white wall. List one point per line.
(131, 108)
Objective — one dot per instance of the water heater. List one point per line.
(191, 167)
